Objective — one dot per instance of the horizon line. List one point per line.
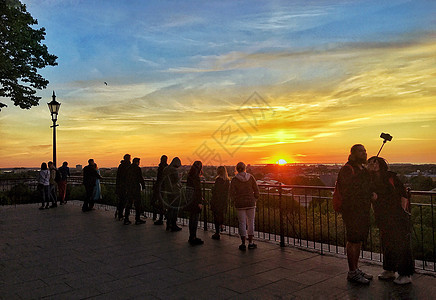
(266, 164)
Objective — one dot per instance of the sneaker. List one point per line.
(216, 236)
(403, 279)
(252, 246)
(242, 247)
(366, 275)
(386, 275)
(138, 222)
(158, 222)
(127, 222)
(357, 277)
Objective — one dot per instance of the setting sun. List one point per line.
(281, 162)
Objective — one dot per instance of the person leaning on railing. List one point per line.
(244, 194)
(156, 199)
(220, 198)
(171, 193)
(195, 201)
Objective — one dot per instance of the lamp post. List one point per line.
(54, 106)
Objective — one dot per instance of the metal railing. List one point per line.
(301, 216)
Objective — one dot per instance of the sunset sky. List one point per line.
(225, 81)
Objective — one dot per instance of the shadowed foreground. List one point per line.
(63, 253)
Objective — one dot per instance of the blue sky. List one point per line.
(177, 69)
(130, 40)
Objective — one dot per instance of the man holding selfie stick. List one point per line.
(354, 187)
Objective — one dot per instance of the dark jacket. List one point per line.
(244, 191)
(158, 185)
(160, 169)
(120, 187)
(355, 188)
(388, 211)
(171, 183)
(90, 176)
(193, 194)
(134, 181)
(220, 195)
(65, 172)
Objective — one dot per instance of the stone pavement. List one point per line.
(63, 253)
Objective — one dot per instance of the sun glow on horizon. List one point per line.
(281, 162)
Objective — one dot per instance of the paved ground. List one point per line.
(63, 253)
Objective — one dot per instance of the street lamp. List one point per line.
(54, 106)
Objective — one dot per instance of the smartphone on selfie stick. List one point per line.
(386, 137)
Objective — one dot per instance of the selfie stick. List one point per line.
(384, 142)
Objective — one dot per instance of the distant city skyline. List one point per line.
(229, 81)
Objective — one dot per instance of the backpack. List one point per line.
(337, 197)
(58, 176)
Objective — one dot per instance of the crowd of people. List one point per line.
(362, 184)
(169, 197)
(52, 184)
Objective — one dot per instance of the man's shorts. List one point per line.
(357, 227)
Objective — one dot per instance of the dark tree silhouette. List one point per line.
(21, 54)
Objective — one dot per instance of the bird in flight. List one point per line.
(105, 83)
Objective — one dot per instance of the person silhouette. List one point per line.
(90, 177)
(244, 193)
(392, 215)
(62, 184)
(355, 188)
(134, 183)
(44, 185)
(53, 184)
(220, 199)
(195, 201)
(121, 186)
(170, 192)
(156, 200)
(96, 194)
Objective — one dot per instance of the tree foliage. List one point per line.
(421, 183)
(21, 55)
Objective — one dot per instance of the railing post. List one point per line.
(204, 207)
(282, 225)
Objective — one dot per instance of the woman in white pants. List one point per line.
(244, 193)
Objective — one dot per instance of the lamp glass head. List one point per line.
(54, 106)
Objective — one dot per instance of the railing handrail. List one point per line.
(279, 186)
